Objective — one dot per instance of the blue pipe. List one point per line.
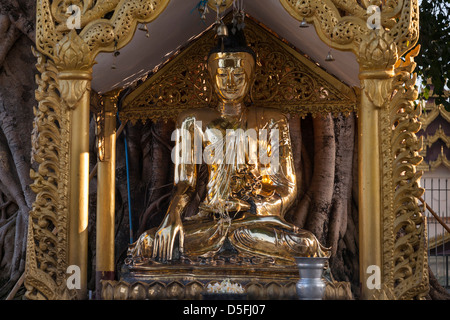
(128, 183)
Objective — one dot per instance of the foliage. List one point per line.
(433, 62)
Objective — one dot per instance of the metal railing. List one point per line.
(437, 210)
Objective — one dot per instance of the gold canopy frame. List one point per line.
(392, 227)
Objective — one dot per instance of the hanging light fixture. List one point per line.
(221, 28)
(144, 27)
(115, 55)
(303, 24)
(329, 57)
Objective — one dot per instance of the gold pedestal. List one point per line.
(188, 282)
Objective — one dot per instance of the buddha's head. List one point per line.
(231, 65)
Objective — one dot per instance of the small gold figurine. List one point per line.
(251, 177)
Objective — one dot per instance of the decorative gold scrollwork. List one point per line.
(404, 225)
(343, 23)
(47, 231)
(98, 29)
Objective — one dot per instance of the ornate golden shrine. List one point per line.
(392, 227)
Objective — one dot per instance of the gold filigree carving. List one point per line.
(97, 31)
(341, 32)
(285, 79)
(377, 90)
(72, 89)
(74, 62)
(46, 35)
(384, 293)
(378, 51)
(91, 11)
(106, 35)
(48, 221)
(404, 225)
(72, 53)
(343, 23)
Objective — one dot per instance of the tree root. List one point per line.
(437, 292)
(10, 34)
(321, 189)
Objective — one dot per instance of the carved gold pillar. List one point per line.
(106, 137)
(369, 177)
(377, 57)
(79, 181)
(74, 64)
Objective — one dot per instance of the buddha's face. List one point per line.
(231, 74)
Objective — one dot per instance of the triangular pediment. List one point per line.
(285, 79)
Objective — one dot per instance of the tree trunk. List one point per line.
(437, 292)
(17, 87)
(326, 195)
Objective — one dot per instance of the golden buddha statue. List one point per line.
(247, 195)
